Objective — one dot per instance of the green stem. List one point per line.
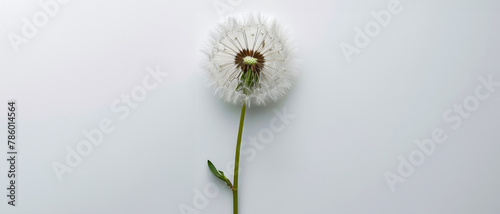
(237, 161)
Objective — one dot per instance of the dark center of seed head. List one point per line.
(249, 60)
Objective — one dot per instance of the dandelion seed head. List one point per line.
(249, 60)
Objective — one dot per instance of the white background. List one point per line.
(352, 120)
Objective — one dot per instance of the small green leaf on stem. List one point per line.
(219, 174)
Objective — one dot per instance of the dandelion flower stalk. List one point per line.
(237, 160)
(249, 62)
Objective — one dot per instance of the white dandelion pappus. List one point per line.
(249, 44)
